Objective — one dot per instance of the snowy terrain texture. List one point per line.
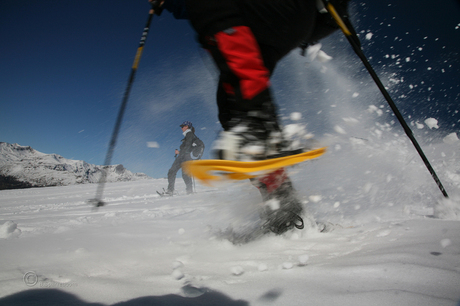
(27, 167)
(395, 239)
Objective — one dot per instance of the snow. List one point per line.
(9, 229)
(432, 123)
(152, 144)
(295, 116)
(451, 138)
(314, 52)
(323, 57)
(339, 129)
(394, 239)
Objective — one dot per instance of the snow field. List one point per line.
(141, 245)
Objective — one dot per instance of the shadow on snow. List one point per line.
(55, 297)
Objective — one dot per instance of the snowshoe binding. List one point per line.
(282, 210)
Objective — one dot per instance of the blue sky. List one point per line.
(65, 64)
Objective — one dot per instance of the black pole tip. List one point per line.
(96, 202)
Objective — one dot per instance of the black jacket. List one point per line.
(283, 24)
(186, 146)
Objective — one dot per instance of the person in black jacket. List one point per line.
(182, 155)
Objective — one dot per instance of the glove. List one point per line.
(157, 6)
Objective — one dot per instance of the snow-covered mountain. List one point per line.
(22, 166)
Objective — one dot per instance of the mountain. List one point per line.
(23, 167)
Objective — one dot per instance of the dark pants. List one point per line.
(172, 176)
(246, 60)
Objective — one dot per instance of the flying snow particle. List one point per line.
(152, 144)
(253, 150)
(323, 57)
(292, 130)
(432, 123)
(369, 36)
(295, 116)
(451, 138)
(312, 52)
(315, 52)
(350, 120)
(339, 130)
(315, 198)
(355, 95)
(375, 109)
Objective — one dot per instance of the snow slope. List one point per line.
(397, 241)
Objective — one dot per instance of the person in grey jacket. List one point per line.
(182, 155)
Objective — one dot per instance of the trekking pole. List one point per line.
(353, 39)
(97, 201)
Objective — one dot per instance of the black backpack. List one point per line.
(197, 148)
